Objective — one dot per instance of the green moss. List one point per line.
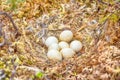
(1, 65)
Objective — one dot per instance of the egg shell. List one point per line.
(54, 46)
(50, 40)
(54, 55)
(66, 35)
(63, 44)
(76, 45)
(67, 52)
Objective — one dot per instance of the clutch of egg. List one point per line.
(66, 48)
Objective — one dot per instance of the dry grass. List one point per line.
(36, 20)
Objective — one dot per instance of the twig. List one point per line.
(104, 2)
(35, 69)
(3, 42)
(1, 25)
(15, 27)
(2, 74)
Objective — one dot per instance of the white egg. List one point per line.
(76, 45)
(54, 46)
(63, 44)
(50, 40)
(67, 52)
(54, 55)
(66, 35)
